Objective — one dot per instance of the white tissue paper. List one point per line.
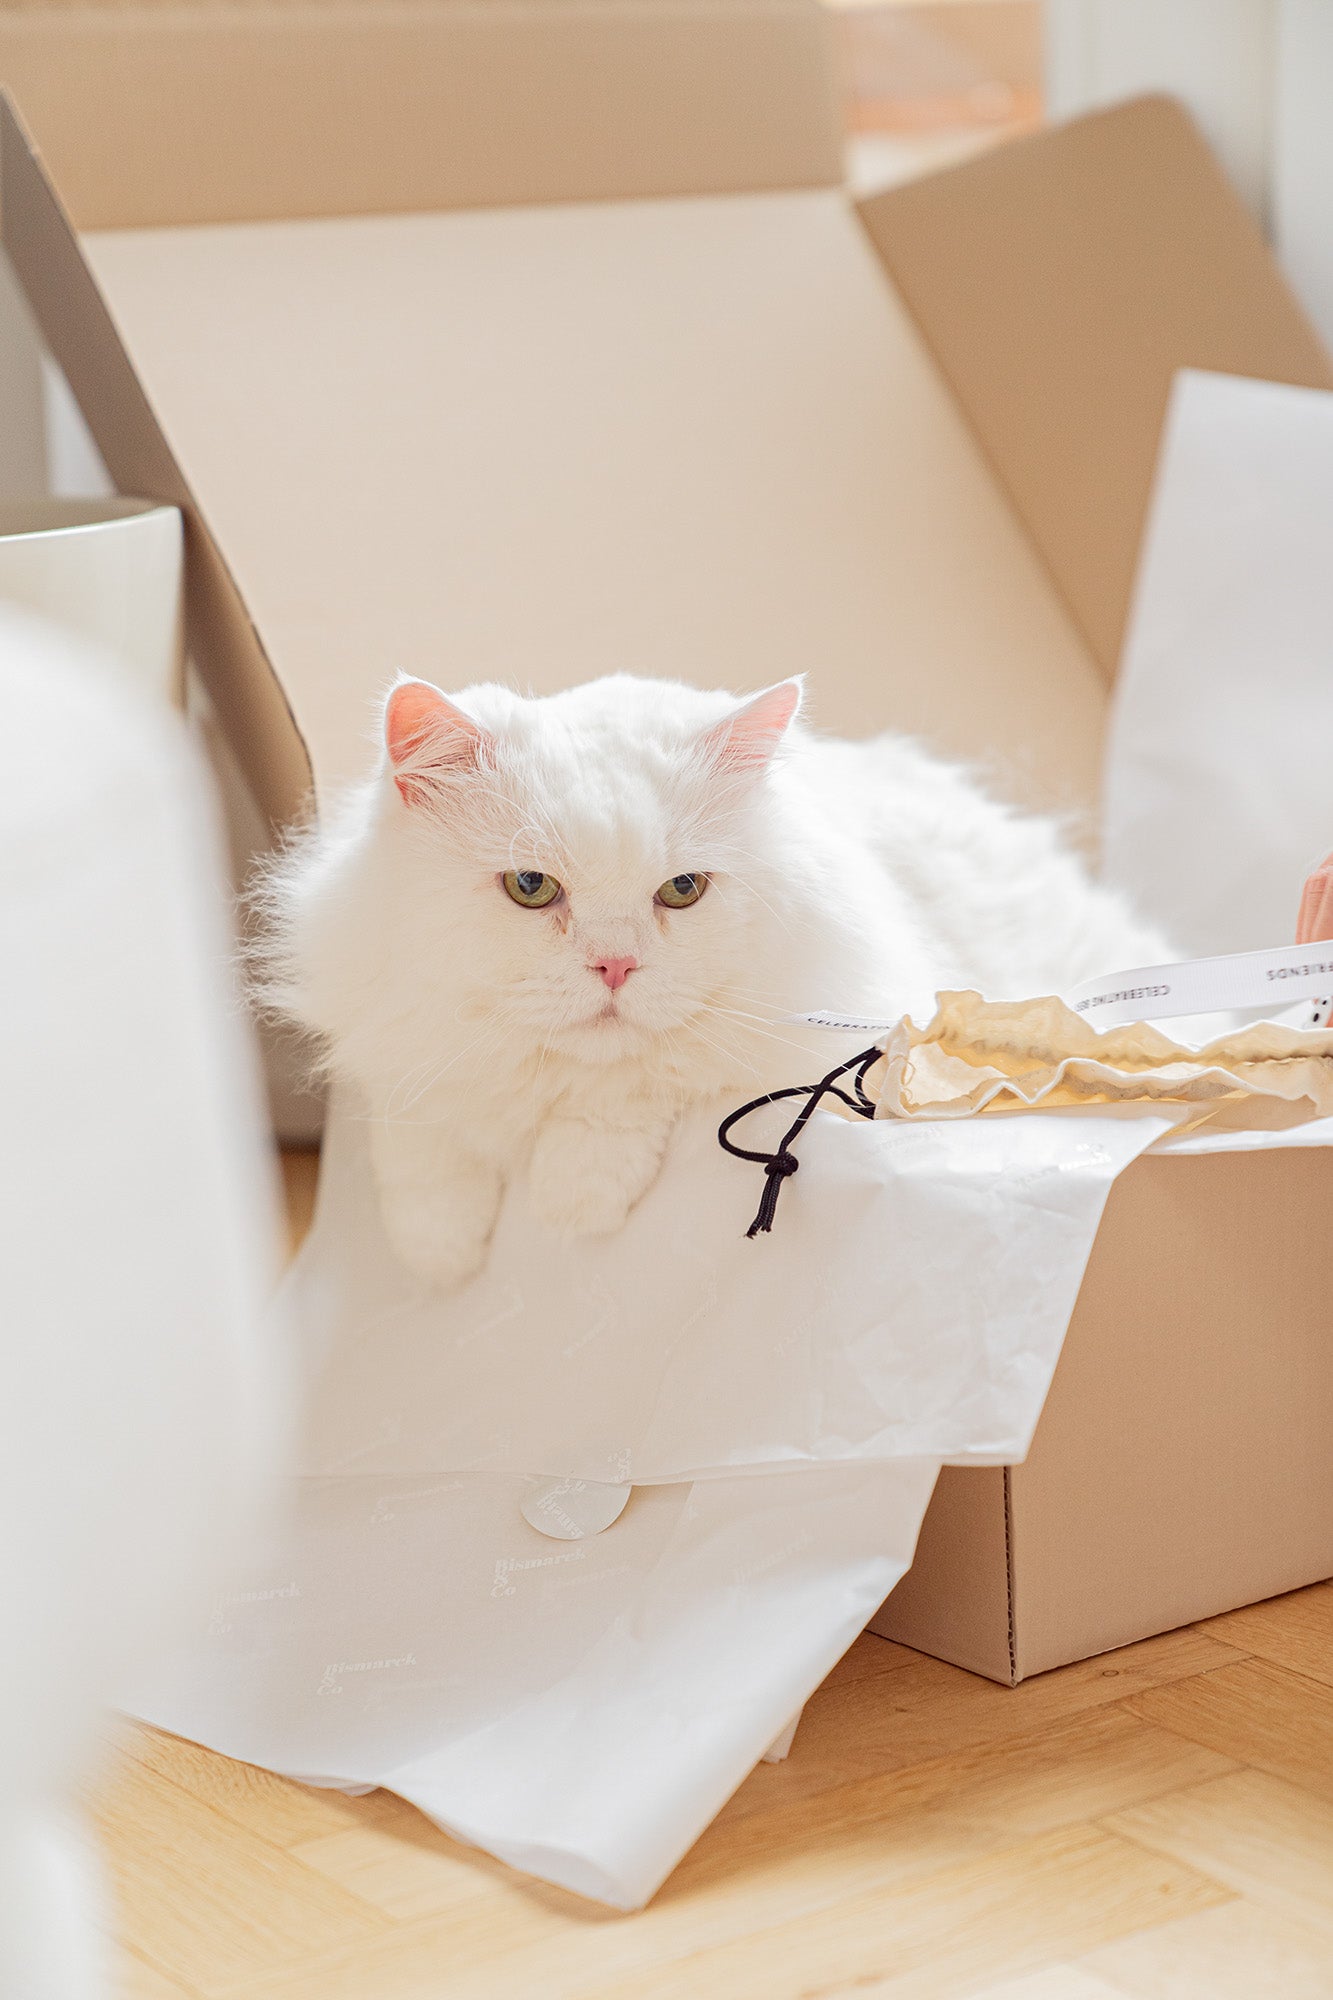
(1218, 798)
(779, 1407)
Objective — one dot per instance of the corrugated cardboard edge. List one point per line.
(217, 113)
(81, 334)
(1060, 281)
(1011, 1623)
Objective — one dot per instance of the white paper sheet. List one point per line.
(580, 1709)
(677, 1349)
(1218, 796)
(584, 1708)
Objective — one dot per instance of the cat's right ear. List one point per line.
(427, 737)
(746, 740)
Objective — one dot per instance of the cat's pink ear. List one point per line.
(426, 736)
(751, 733)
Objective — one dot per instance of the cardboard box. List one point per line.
(541, 341)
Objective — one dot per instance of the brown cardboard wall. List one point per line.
(1181, 1464)
(954, 1602)
(1060, 282)
(217, 113)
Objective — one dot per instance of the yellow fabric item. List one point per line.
(1005, 1055)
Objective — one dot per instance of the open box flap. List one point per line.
(45, 254)
(208, 113)
(694, 438)
(1060, 281)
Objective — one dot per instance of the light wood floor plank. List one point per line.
(1295, 1631)
(1236, 1952)
(209, 1902)
(410, 1869)
(1257, 1713)
(1264, 1838)
(1080, 1770)
(1050, 1898)
(869, 1656)
(927, 1709)
(1054, 1982)
(282, 1811)
(504, 1943)
(937, 1935)
(135, 1980)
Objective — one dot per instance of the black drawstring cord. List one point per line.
(779, 1166)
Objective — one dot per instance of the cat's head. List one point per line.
(592, 864)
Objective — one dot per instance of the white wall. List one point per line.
(1258, 77)
(1301, 187)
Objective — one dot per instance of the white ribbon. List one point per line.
(1274, 979)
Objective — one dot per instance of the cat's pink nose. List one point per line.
(615, 971)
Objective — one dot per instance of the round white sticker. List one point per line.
(569, 1509)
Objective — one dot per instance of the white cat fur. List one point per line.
(858, 876)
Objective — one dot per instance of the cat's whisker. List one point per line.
(741, 1013)
(771, 1033)
(723, 889)
(397, 1106)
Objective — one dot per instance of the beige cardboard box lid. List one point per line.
(725, 432)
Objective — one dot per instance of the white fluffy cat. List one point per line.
(543, 927)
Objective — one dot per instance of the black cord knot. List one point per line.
(777, 1171)
(782, 1164)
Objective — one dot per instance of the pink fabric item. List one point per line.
(1315, 919)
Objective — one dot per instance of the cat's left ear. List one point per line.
(751, 733)
(426, 736)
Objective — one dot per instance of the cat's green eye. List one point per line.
(681, 891)
(531, 888)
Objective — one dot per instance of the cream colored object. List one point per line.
(978, 1055)
(108, 571)
(141, 1415)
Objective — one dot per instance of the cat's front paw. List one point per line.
(441, 1232)
(585, 1180)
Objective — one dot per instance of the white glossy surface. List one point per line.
(108, 571)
